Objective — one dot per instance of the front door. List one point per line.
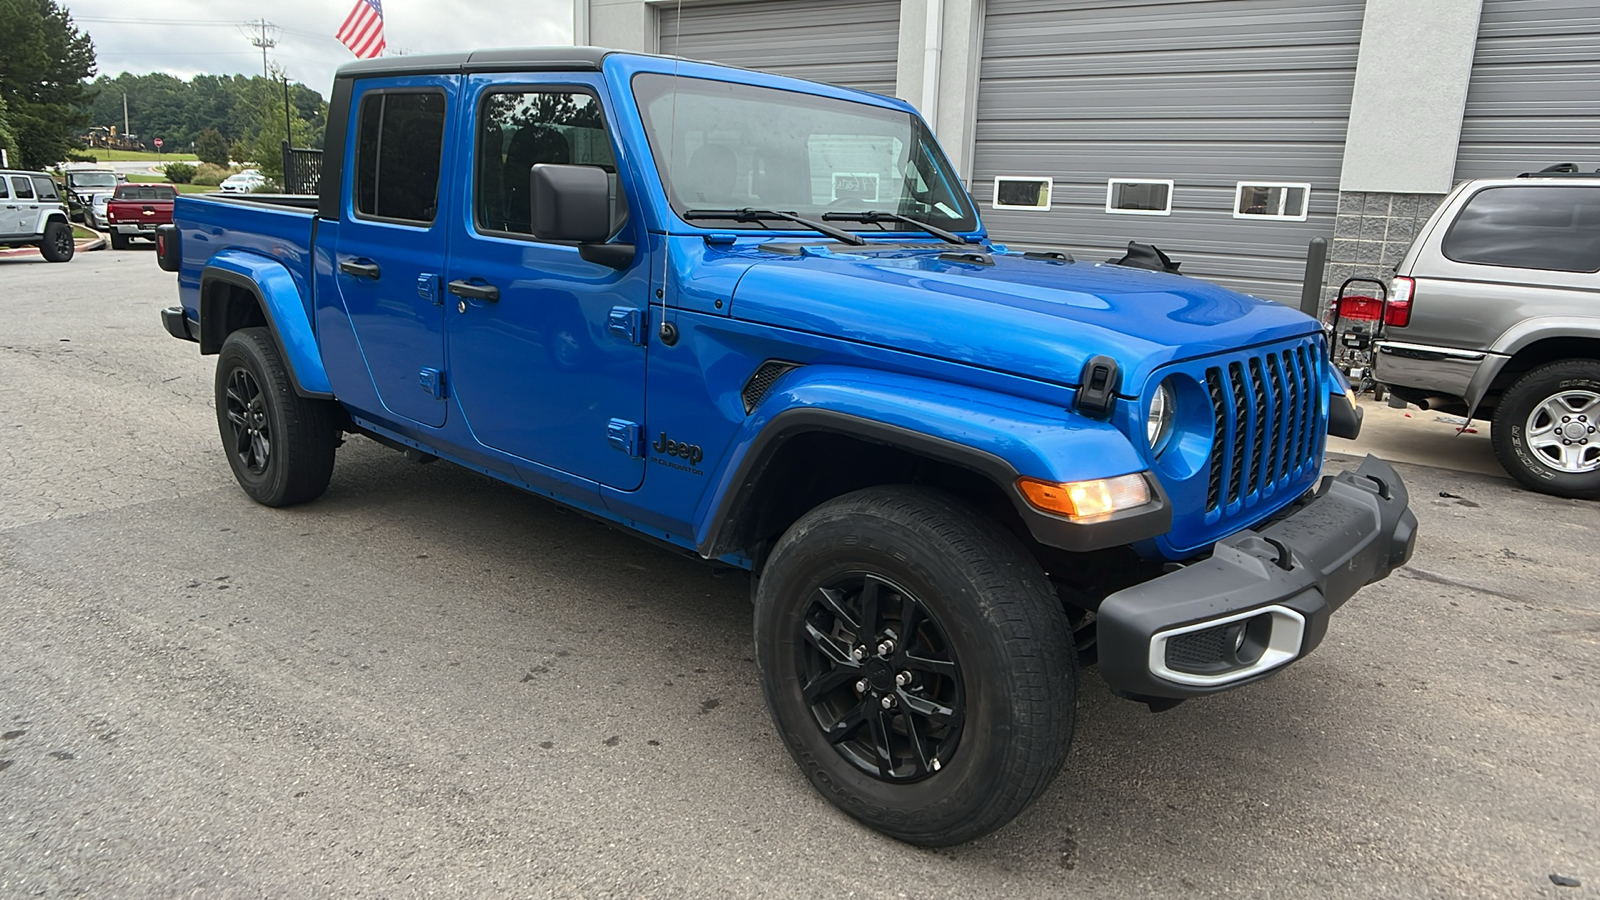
(390, 253)
(547, 357)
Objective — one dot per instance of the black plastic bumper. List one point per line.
(177, 324)
(1271, 590)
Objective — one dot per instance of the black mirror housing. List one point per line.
(570, 203)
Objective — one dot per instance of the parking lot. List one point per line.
(428, 682)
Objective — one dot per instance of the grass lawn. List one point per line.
(101, 154)
(182, 188)
(81, 233)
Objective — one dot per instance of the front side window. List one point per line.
(399, 139)
(725, 146)
(22, 186)
(1555, 228)
(45, 188)
(518, 130)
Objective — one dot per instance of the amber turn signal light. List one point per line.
(1087, 499)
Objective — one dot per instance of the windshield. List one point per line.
(720, 145)
(91, 180)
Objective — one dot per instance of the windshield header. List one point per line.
(725, 146)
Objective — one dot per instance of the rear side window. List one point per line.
(45, 187)
(22, 186)
(1555, 228)
(146, 192)
(4, 191)
(399, 138)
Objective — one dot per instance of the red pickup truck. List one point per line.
(136, 209)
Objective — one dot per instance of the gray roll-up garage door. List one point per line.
(1534, 98)
(848, 42)
(1204, 93)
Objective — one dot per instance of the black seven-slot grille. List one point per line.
(1268, 421)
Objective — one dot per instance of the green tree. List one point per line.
(8, 141)
(44, 60)
(211, 147)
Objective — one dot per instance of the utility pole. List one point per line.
(263, 34)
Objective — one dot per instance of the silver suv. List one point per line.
(1495, 311)
(32, 215)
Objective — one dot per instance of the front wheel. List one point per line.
(916, 662)
(58, 245)
(279, 444)
(1547, 429)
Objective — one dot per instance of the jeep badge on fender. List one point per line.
(690, 452)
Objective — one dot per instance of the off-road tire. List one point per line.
(1003, 627)
(57, 244)
(119, 241)
(1572, 378)
(300, 434)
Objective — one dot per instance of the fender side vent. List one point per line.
(761, 381)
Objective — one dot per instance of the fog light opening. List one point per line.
(1250, 639)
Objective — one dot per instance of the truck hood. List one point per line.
(1038, 318)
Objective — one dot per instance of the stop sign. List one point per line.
(158, 142)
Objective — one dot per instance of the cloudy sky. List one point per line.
(187, 37)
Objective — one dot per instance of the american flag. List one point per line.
(362, 30)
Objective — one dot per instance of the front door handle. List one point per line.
(472, 291)
(361, 268)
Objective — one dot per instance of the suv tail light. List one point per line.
(1398, 313)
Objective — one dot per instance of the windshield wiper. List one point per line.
(756, 215)
(874, 216)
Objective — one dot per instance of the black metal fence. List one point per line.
(302, 169)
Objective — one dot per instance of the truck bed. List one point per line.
(277, 226)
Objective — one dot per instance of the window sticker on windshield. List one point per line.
(861, 186)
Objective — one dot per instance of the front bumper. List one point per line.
(1263, 598)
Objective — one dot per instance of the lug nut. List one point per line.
(903, 679)
(889, 702)
(859, 653)
(861, 686)
(885, 648)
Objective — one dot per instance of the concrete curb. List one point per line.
(82, 246)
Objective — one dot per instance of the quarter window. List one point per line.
(399, 140)
(1018, 192)
(4, 191)
(520, 129)
(1139, 196)
(1555, 228)
(1269, 200)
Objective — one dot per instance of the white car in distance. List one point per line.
(242, 182)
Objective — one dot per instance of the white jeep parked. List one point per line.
(33, 215)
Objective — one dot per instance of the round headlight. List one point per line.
(1158, 425)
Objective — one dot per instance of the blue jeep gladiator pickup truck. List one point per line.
(758, 319)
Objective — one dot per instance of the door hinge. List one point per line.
(432, 381)
(625, 436)
(623, 322)
(430, 287)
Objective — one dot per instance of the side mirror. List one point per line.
(570, 203)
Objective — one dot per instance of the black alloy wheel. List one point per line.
(280, 445)
(881, 678)
(916, 661)
(58, 244)
(251, 443)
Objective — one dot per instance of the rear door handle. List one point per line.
(361, 268)
(471, 291)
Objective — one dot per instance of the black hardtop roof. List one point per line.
(510, 59)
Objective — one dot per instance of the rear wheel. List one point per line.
(916, 663)
(1547, 429)
(279, 444)
(119, 241)
(58, 245)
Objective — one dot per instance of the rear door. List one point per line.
(26, 205)
(390, 252)
(552, 369)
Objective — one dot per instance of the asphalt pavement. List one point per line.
(430, 683)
